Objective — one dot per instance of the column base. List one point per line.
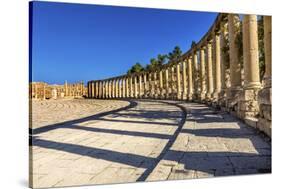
(202, 97)
(184, 96)
(248, 103)
(222, 98)
(190, 97)
(232, 97)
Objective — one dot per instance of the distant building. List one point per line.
(41, 90)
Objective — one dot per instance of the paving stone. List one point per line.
(146, 141)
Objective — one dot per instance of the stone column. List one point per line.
(136, 87)
(222, 94)
(155, 84)
(210, 72)
(123, 87)
(140, 86)
(202, 74)
(117, 88)
(113, 88)
(108, 89)
(127, 88)
(145, 85)
(151, 84)
(100, 89)
(265, 95)
(103, 90)
(93, 89)
(167, 83)
(250, 52)
(178, 82)
(90, 89)
(217, 63)
(161, 84)
(195, 75)
(96, 90)
(173, 90)
(184, 80)
(120, 88)
(248, 104)
(235, 67)
(131, 87)
(190, 81)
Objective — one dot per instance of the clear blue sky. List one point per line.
(78, 42)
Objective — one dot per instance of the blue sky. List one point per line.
(78, 42)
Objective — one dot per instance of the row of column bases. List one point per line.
(201, 76)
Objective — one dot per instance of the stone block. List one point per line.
(265, 111)
(251, 121)
(249, 95)
(265, 96)
(265, 126)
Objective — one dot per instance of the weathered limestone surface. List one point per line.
(144, 140)
(50, 112)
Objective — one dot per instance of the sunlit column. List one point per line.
(167, 83)
(155, 84)
(136, 87)
(210, 71)
(223, 59)
(235, 68)
(120, 87)
(250, 52)
(184, 80)
(116, 88)
(195, 74)
(173, 82)
(100, 89)
(131, 87)
(145, 84)
(202, 73)
(140, 86)
(190, 82)
(161, 84)
(127, 87)
(217, 64)
(178, 81)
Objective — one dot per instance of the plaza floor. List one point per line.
(84, 142)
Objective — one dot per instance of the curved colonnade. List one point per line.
(209, 73)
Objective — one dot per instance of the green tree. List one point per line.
(136, 68)
(175, 54)
(193, 43)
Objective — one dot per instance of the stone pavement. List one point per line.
(50, 112)
(146, 140)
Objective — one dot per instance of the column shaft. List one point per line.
(202, 73)
(235, 68)
(217, 65)
(210, 72)
(178, 82)
(140, 86)
(155, 84)
(161, 84)
(190, 82)
(184, 80)
(136, 87)
(250, 52)
(167, 83)
(195, 74)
